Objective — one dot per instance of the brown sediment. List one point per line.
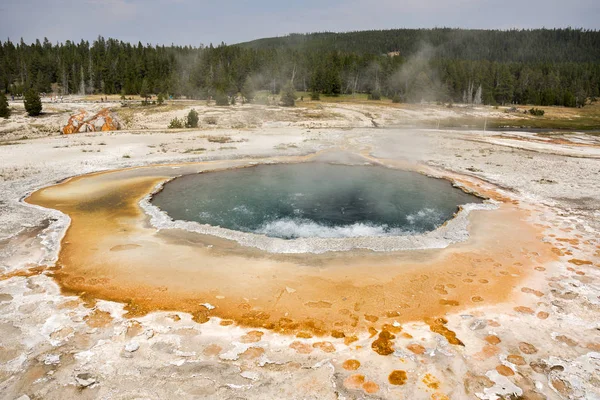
(384, 345)
(354, 381)
(215, 349)
(25, 273)
(492, 339)
(252, 337)
(524, 310)
(252, 353)
(397, 377)
(532, 291)
(110, 252)
(438, 325)
(351, 365)
(543, 315)
(338, 334)
(370, 387)
(416, 348)
(489, 350)
(98, 319)
(301, 348)
(516, 359)
(348, 340)
(327, 347)
(527, 348)
(431, 381)
(579, 262)
(567, 340)
(504, 370)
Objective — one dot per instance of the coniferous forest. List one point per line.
(538, 67)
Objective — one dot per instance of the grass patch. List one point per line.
(219, 139)
(154, 109)
(583, 124)
(285, 146)
(195, 151)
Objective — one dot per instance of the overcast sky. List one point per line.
(195, 22)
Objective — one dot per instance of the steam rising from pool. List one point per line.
(317, 200)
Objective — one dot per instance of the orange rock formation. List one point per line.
(102, 121)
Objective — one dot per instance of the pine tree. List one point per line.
(192, 119)
(504, 86)
(569, 99)
(160, 99)
(33, 103)
(4, 110)
(144, 91)
(375, 95)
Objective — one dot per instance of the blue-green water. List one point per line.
(313, 200)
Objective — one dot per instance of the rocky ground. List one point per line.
(542, 342)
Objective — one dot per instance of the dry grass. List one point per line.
(195, 151)
(586, 118)
(219, 139)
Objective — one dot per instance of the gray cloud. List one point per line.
(196, 22)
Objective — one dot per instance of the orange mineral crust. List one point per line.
(111, 252)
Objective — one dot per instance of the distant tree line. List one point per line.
(538, 67)
(537, 45)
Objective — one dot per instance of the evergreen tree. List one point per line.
(4, 110)
(192, 119)
(177, 123)
(375, 95)
(581, 97)
(33, 103)
(504, 86)
(288, 96)
(144, 90)
(569, 99)
(221, 99)
(160, 99)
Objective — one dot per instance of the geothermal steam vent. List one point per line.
(319, 200)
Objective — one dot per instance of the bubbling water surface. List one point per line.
(314, 200)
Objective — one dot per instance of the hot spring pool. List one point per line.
(318, 200)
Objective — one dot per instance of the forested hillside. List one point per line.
(540, 67)
(555, 45)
